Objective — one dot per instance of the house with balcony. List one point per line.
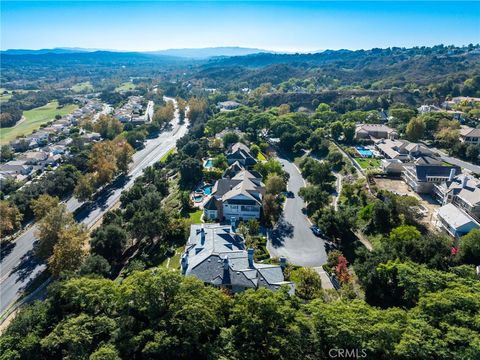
(422, 175)
(238, 197)
(455, 221)
(462, 191)
(216, 255)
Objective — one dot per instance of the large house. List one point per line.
(239, 196)
(228, 105)
(455, 221)
(461, 191)
(241, 153)
(402, 150)
(426, 172)
(469, 135)
(375, 131)
(216, 255)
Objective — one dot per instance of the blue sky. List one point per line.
(272, 25)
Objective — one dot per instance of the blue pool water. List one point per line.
(364, 152)
(208, 163)
(207, 190)
(198, 198)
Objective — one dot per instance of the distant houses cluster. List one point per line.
(47, 147)
(135, 112)
(426, 173)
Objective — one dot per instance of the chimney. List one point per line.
(464, 181)
(184, 263)
(202, 236)
(233, 223)
(283, 263)
(250, 258)
(452, 174)
(226, 263)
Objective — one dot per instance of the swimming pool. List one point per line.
(364, 152)
(208, 164)
(198, 198)
(207, 190)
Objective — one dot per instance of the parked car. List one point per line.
(316, 230)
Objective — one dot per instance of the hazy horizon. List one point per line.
(281, 26)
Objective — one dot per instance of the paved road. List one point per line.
(17, 265)
(292, 236)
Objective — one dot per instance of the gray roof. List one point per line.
(424, 171)
(240, 152)
(468, 191)
(205, 260)
(243, 183)
(455, 217)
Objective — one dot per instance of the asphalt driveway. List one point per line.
(292, 236)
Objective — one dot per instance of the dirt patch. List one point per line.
(399, 187)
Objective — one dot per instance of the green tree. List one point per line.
(254, 150)
(308, 284)
(6, 153)
(69, 250)
(85, 187)
(415, 129)
(43, 204)
(275, 185)
(349, 132)
(469, 248)
(271, 209)
(10, 218)
(336, 129)
(109, 242)
(95, 265)
(49, 229)
(265, 324)
(108, 127)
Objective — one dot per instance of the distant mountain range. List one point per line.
(192, 53)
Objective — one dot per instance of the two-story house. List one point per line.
(216, 255)
(237, 197)
(241, 153)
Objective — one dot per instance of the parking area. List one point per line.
(399, 187)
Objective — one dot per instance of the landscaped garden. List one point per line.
(368, 163)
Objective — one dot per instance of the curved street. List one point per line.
(292, 237)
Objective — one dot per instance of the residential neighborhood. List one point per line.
(239, 180)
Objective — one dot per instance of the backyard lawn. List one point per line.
(368, 163)
(196, 216)
(33, 119)
(126, 86)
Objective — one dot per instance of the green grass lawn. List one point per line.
(196, 216)
(33, 119)
(83, 86)
(126, 86)
(368, 163)
(5, 97)
(261, 157)
(165, 157)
